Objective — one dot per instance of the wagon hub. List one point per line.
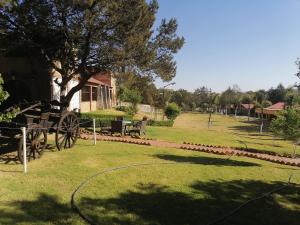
(35, 144)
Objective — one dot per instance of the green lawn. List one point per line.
(225, 130)
(196, 189)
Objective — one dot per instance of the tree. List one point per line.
(292, 97)
(201, 96)
(287, 124)
(183, 99)
(81, 38)
(5, 2)
(3, 96)
(231, 97)
(132, 96)
(277, 94)
(143, 84)
(260, 95)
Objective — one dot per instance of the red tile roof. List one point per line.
(248, 106)
(95, 81)
(277, 106)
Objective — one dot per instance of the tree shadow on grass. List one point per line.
(249, 126)
(9, 158)
(44, 210)
(205, 160)
(259, 137)
(8, 148)
(155, 204)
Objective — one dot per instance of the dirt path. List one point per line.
(201, 148)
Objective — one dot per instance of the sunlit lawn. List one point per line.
(198, 188)
(225, 130)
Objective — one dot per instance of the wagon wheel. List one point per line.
(36, 141)
(67, 131)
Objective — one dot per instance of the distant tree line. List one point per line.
(203, 99)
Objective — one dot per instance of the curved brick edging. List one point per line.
(286, 155)
(233, 152)
(220, 150)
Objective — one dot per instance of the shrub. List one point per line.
(160, 123)
(86, 119)
(121, 108)
(287, 124)
(3, 96)
(172, 111)
(129, 95)
(131, 110)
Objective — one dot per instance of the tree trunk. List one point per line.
(235, 111)
(209, 118)
(249, 114)
(63, 92)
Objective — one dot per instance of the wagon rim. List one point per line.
(67, 131)
(36, 142)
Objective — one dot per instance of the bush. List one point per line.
(131, 110)
(121, 108)
(287, 124)
(160, 123)
(172, 111)
(129, 95)
(3, 96)
(86, 119)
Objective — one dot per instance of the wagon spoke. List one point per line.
(61, 143)
(66, 141)
(69, 141)
(67, 130)
(61, 137)
(73, 138)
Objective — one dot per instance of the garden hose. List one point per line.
(234, 211)
(218, 221)
(76, 208)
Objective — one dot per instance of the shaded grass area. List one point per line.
(197, 189)
(225, 130)
(156, 204)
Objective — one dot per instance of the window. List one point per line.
(94, 93)
(85, 94)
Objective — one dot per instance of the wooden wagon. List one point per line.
(41, 119)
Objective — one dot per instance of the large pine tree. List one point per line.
(90, 36)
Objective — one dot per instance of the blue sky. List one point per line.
(251, 43)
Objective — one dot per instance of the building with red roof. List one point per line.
(271, 110)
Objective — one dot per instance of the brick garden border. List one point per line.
(214, 149)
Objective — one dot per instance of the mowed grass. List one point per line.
(225, 130)
(195, 188)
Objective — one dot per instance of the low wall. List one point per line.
(143, 108)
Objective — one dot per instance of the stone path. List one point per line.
(201, 148)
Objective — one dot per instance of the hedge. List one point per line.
(160, 123)
(86, 119)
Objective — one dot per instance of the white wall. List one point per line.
(55, 90)
(75, 101)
